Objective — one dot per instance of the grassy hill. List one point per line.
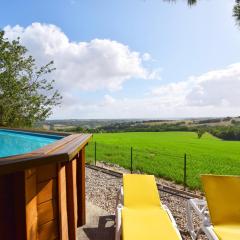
(161, 153)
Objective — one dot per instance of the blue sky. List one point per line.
(190, 52)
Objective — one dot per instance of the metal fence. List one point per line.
(182, 167)
(152, 161)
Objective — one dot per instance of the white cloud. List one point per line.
(93, 65)
(214, 88)
(215, 93)
(108, 100)
(146, 57)
(106, 64)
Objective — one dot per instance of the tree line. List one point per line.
(231, 132)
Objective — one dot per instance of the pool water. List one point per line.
(18, 142)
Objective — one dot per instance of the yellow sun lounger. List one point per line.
(223, 203)
(140, 214)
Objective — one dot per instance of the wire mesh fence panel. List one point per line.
(151, 161)
(90, 153)
(109, 153)
(165, 163)
(161, 165)
(114, 154)
(210, 164)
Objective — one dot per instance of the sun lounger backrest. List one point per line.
(140, 191)
(223, 198)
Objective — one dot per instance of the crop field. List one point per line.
(162, 154)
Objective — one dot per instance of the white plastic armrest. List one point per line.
(121, 195)
(118, 221)
(170, 215)
(172, 220)
(119, 199)
(118, 214)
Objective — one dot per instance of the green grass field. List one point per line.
(162, 154)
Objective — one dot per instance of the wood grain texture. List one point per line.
(48, 231)
(46, 190)
(12, 207)
(42, 193)
(19, 205)
(62, 203)
(31, 206)
(81, 192)
(29, 172)
(71, 199)
(47, 211)
(76, 145)
(46, 172)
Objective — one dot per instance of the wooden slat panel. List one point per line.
(19, 206)
(29, 172)
(57, 145)
(81, 195)
(48, 231)
(6, 207)
(24, 161)
(47, 211)
(12, 206)
(46, 172)
(40, 187)
(62, 203)
(31, 206)
(74, 167)
(71, 199)
(46, 190)
(31, 219)
(76, 145)
(30, 187)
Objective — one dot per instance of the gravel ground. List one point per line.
(102, 189)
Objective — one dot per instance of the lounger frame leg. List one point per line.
(193, 232)
(208, 230)
(200, 208)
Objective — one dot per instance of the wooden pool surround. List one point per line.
(42, 193)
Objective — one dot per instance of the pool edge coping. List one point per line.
(62, 150)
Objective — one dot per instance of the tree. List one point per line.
(200, 132)
(26, 95)
(236, 12)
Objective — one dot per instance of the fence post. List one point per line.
(131, 160)
(185, 171)
(95, 157)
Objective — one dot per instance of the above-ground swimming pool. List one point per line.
(19, 142)
(42, 180)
